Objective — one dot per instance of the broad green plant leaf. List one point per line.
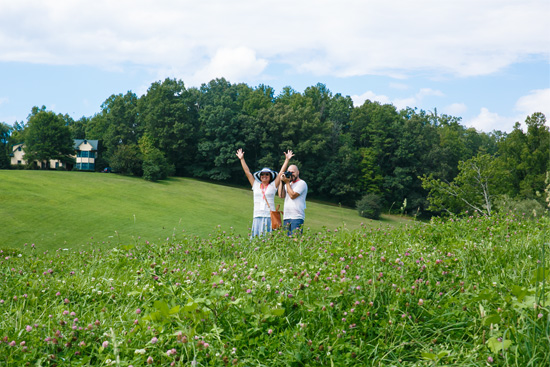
(496, 346)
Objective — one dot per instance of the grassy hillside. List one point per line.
(72, 209)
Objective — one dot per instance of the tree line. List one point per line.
(408, 160)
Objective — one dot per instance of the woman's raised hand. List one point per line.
(289, 154)
(240, 154)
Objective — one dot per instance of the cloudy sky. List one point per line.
(487, 61)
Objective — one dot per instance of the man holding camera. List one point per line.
(294, 191)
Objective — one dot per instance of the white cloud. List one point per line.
(235, 65)
(428, 92)
(488, 121)
(399, 103)
(344, 38)
(537, 101)
(358, 100)
(399, 86)
(402, 103)
(455, 109)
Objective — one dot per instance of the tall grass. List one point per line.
(466, 292)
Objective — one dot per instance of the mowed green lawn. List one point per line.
(56, 209)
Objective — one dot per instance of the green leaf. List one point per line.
(277, 311)
(492, 319)
(174, 310)
(519, 292)
(429, 356)
(190, 307)
(540, 275)
(495, 346)
(443, 353)
(162, 307)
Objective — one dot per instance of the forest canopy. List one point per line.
(410, 159)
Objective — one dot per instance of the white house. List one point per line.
(85, 156)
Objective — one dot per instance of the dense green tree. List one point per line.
(261, 130)
(155, 165)
(78, 127)
(220, 117)
(127, 159)
(305, 133)
(47, 137)
(373, 130)
(338, 176)
(526, 155)
(116, 124)
(5, 146)
(169, 115)
(415, 136)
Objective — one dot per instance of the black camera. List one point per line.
(288, 174)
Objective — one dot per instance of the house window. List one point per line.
(56, 164)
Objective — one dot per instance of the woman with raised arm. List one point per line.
(264, 185)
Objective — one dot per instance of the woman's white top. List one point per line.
(260, 207)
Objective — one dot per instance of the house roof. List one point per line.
(78, 142)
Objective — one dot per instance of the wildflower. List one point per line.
(154, 340)
(270, 331)
(105, 344)
(490, 359)
(28, 328)
(420, 302)
(140, 351)
(138, 311)
(149, 360)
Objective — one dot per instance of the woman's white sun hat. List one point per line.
(265, 169)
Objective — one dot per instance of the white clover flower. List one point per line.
(140, 351)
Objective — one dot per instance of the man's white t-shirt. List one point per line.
(295, 209)
(260, 207)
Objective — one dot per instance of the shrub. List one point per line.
(528, 207)
(370, 206)
(127, 159)
(156, 166)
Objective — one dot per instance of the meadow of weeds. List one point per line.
(472, 291)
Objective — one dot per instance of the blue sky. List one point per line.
(486, 61)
